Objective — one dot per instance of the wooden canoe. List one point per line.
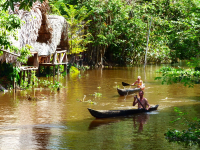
(115, 113)
(124, 92)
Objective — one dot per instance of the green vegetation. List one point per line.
(117, 30)
(25, 4)
(8, 26)
(74, 70)
(172, 75)
(10, 74)
(75, 17)
(189, 136)
(96, 94)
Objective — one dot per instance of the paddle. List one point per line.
(126, 84)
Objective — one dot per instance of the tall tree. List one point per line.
(108, 22)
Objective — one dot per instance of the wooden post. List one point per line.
(65, 61)
(36, 63)
(60, 61)
(29, 76)
(20, 76)
(24, 76)
(14, 80)
(65, 68)
(54, 59)
(14, 85)
(38, 71)
(58, 70)
(33, 83)
(54, 70)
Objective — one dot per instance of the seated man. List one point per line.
(139, 83)
(142, 102)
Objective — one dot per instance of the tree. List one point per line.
(9, 25)
(108, 21)
(24, 4)
(75, 17)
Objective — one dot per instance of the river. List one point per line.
(60, 120)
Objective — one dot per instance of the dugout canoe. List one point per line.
(123, 92)
(115, 113)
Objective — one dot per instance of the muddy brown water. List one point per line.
(60, 120)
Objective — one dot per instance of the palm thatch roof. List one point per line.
(47, 43)
(45, 33)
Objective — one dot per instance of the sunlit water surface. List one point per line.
(60, 120)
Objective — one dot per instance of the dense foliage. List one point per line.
(188, 136)
(8, 28)
(24, 4)
(118, 31)
(8, 24)
(77, 37)
(174, 75)
(108, 26)
(119, 28)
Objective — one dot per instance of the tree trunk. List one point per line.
(97, 56)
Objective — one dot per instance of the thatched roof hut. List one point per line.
(45, 33)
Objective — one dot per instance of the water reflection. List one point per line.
(140, 120)
(42, 136)
(106, 121)
(58, 120)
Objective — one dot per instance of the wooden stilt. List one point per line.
(65, 68)
(59, 58)
(33, 83)
(20, 77)
(24, 76)
(38, 71)
(14, 84)
(29, 76)
(53, 70)
(58, 70)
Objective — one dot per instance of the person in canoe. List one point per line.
(139, 83)
(142, 102)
